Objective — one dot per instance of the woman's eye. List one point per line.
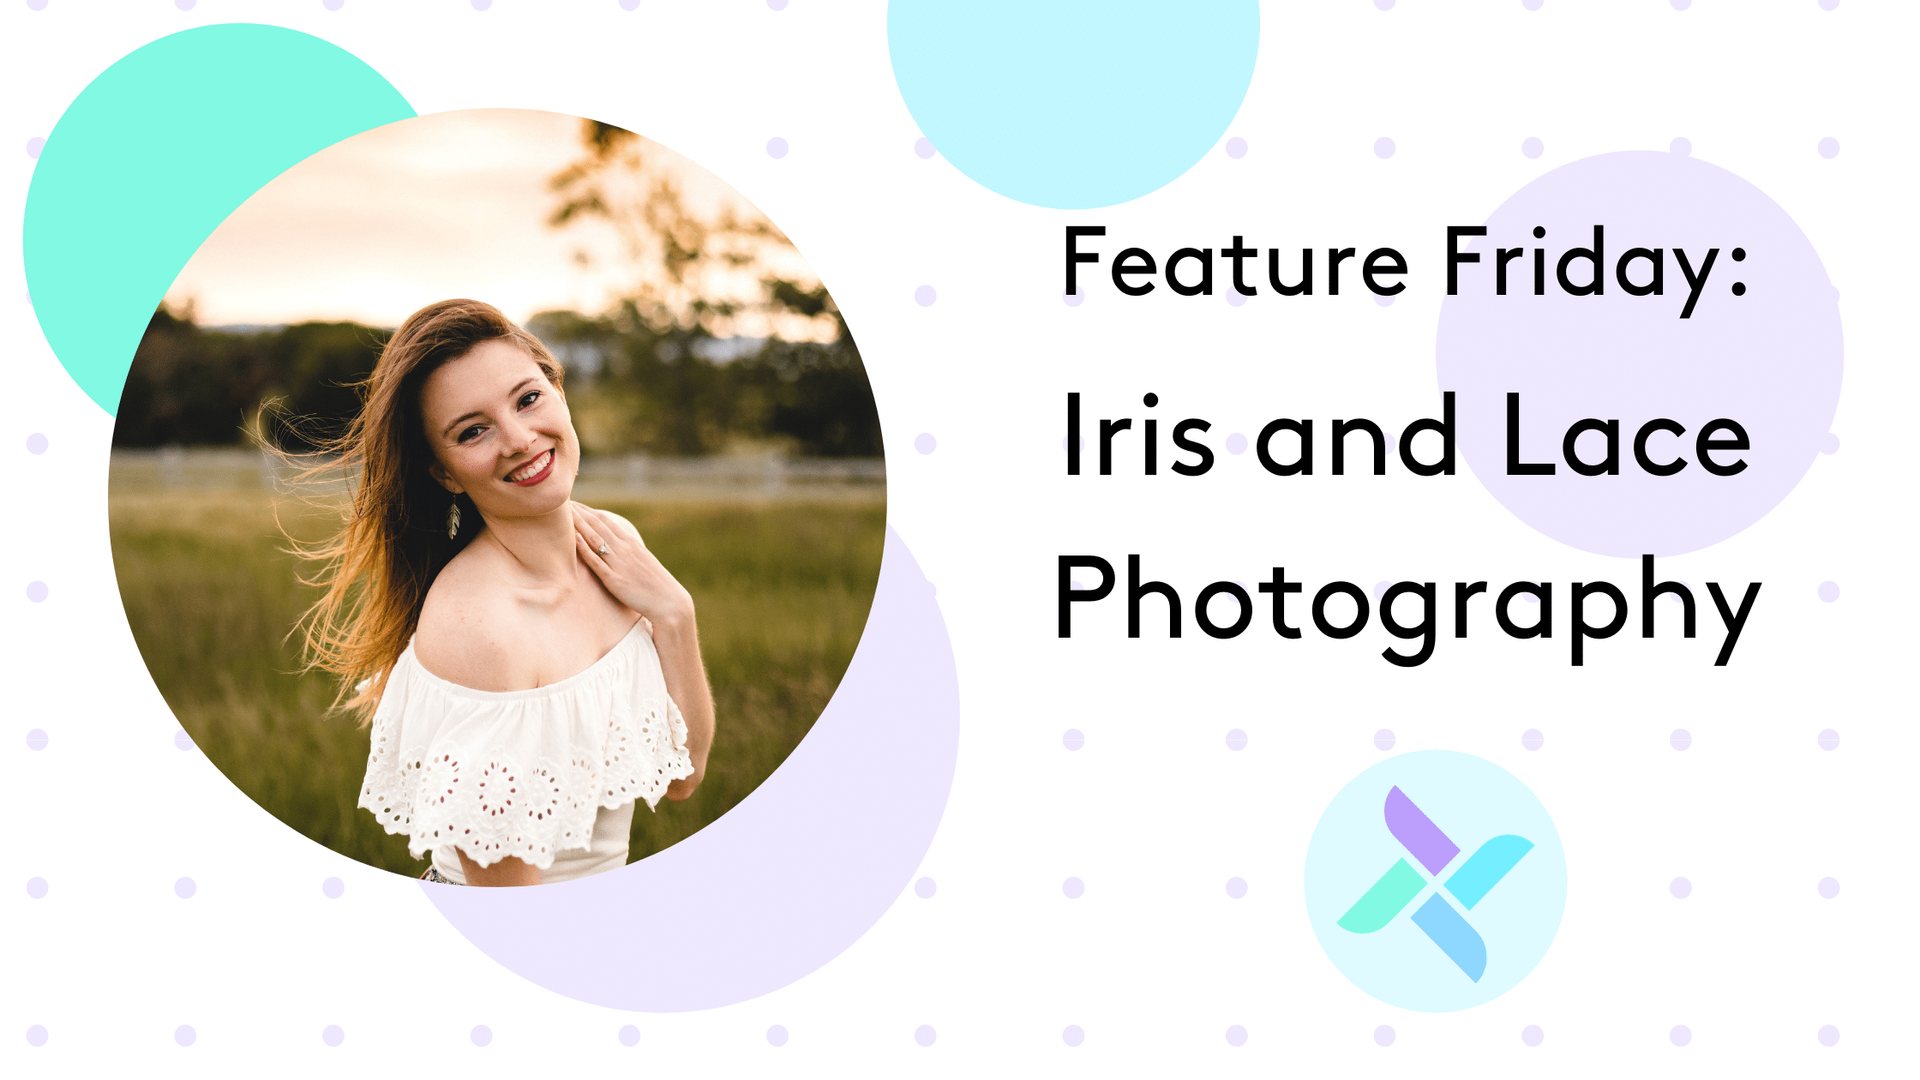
(527, 400)
(471, 433)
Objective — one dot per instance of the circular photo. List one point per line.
(497, 498)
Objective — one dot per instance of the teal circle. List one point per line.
(151, 158)
(1472, 801)
(1073, 104)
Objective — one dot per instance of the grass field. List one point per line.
(782, 591)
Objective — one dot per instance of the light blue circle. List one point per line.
(1073, 104)
(1471, 801)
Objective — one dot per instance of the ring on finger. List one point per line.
(603, 549)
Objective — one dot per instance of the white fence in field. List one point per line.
(754, 477)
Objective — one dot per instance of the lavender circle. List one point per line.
(481, 5)
(776, 148)
(1073, 1036)
(184, 888)
(1530, 5)
(1383, 739)
(34, 146)
(1829, 592)
(1532, 1035)
(333, 1034)
(1236, 888)
(184, 1035)
(925, 442)
(1073, 299)
(1383, 301)
(1236, 739)
(481, 1035)
(922, 148)
(1681, 5)
(1383, 1035)
(1236, 1036)
(776, 1036)
(36, 5)
(1073, 888)
(1681, 888)
(777, 5)
(1236, 148)
(1829, 739)
(1829, 148)
(1682, 147)
(1236, 444)
(1829, 5)
(1680, 739)
(36, 444)
(182, 740)
(924, 1035)
(36, 887)
(1383, 5)
(37, 591)
(1532, 147)
(1774, 366)
(1234, 299)
(36, 739)
(924, 296)
(1829, 888)
(924, 888)
(184, 5)
(1681, 1035)
(1830, 445)
(37, 1035)
(1828, 1034)
(336, 5)
(1532, 739)
(333, 888)
(629, 1035)
(1383, 147)
(629, 5)
(1073, 739)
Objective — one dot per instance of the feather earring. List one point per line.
(453, 520)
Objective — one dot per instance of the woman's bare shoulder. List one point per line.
(459, 635)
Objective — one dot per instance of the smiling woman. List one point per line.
(528, 667)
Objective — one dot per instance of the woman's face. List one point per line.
(500, 432)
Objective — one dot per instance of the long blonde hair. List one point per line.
(393, 537)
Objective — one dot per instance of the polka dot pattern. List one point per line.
(776, 148)
(629, 1036)
(1236, 1036)
(1383, 739)
(36, 1035)
(776, 1036)
(1532, 1035)
(1532, 147)
(1681, 1035)
(1236, 888)
(1073, 888)
(923, 148)
(1383, 1035)
(1681, 739)
(333, 888)
(184, 888)
(1829, 592)
(36, 444)
(481, 1035)
(1073, 1035)
(1236, 148)
(1829, 887)
(1532, 739)
(925, 888)
(1236, 739)
(1829, 148)
(924, 1035)
(184, 1035)
(1383, 148)
(1680, 887)
(333, 1035)
(37, 887)
(1073, 739)
(925, 296)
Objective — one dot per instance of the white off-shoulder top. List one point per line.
(548, 775)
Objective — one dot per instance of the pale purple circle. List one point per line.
(629, 1035)
(1073, 888)
(333, 888)
(1383, 301)
(924, 296)
(1236, 887)
(925, 442)
(1532, 147)
(184, 1035)
(1236, 444)
(1829, 592)
(1383, 147)
(924, 888)
(1532, 739)
(776, 1036)
(1830, 444)
(1234, 299)
(1774, 367)
(1829, 1035)
(1530, 5)
(1680, 887)
(36, 887)
(924, 1035)
(1383, 1035)
(184, 5)
(1383, 5)
(922, 148)
(333, 1034)
(777, 5)
(1681, 146)
(36, 444)
(481, 1035)
(1383, 739)
(482, 5)
(1073, 739)
(1681, 1034)
(1380, 587)
(1829, 147)
(35, 145)
(1829, 887)
(1532, 1035)
(184, 888)
(182, 740)
(1236, 1036)
(336, 5)
(1681, 5)
(37, 591)
(629, 5)
(1073, 1036)
(1680, 739)
(1236, 148)
(1072, 299)
(36, 739)
(36, 5)
(776, 147)
(37, 1035)
(1236, 739)
(1828, 739)
(1829, 5)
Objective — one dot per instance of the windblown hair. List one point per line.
(393, 538)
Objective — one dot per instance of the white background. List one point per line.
(1155, 813)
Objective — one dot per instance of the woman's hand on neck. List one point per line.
(541, 547)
